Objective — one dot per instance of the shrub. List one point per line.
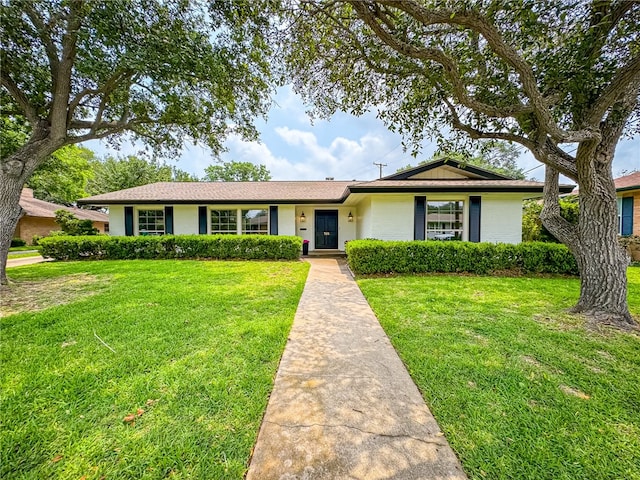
(245, 247)
(73, 226)
(18, 242)
(368, 257)
(532, 228)
(631, 244)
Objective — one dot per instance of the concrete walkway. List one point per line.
(17, 262)
(343, 405)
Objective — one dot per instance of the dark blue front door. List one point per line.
(327, 229)
(627, 216)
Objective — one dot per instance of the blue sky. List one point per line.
(344, 147)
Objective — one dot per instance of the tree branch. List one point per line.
(626, 75)
(477, 22)
(560, 228)
(602, 23)
(109, 86)
(547, 152)
(20, 97)
(47, 41)
(371, 17)
(477, 134)
(552, 155)
(62, 82)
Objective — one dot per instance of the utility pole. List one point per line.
(380, 165)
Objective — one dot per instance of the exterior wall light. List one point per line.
(303, 218)
(350, 217)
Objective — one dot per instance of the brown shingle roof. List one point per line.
(39, 208)
(453, 185)
(227, 192)
(628, 182)
(296, 191)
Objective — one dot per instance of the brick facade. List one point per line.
(29, 226)
(636, 212)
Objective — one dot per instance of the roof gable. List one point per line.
(446, 169)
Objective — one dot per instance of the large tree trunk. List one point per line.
(602, 262)
(10, 212)
(14, 172)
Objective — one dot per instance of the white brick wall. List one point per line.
(116, 220)
(185, 219)
(286, 220)
(501, 219)
(392, 217)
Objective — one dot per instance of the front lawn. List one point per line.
(140, 369)
(521, 389)
(26, 254)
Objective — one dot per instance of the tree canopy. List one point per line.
(156, 71)
(559, 77)
(237, 172)
(63, 177)
(111, 174)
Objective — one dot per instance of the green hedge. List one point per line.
(245, 247)
(367, 257)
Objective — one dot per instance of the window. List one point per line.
(255, 222)
(445, 220)
(224, 222)
(151, 222)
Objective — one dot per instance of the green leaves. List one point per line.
(102, 247)
(486, 59)
(373, 257)
(63, 177)
(237, 172)
(113, 174)
(163, 71)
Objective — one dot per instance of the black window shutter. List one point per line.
(273, 220)
(168, 220)
(128, 221)
(627, 216)
(474, 219)
(202, 220)
(419, 217)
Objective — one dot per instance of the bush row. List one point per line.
(244, 247)
(367, 257)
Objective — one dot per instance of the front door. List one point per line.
(327, 229)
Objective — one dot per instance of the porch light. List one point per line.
(350, 217)
(303, 218)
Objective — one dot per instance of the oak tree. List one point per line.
(559, 77)
(155, 71)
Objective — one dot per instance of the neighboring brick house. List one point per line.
(38, 217)
(628, 195)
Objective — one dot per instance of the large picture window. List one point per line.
(151, 222)
(445, 220)
(255, 221)
(224, 222)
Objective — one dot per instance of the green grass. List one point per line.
(24, 255)
(196, 345)
(23, 248)
(521, 389)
